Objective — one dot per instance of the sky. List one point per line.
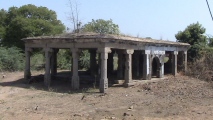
(158, 19)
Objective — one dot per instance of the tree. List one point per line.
(2, 23)
(194, 35)
(74, 15)
(97, 26)
(101, 26)
(29, 21)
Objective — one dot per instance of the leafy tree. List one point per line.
(194, 35)
(29, 21)
(210, 40)
(98, 26)
(2, 24)
(101, 26)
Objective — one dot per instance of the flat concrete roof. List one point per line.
(97, 37)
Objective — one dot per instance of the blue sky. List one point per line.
(159, 19)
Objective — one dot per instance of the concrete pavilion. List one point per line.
(138, 58)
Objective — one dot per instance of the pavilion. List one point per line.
(137, 57)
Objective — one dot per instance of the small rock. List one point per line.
(36, 108)
(112, 117)
(130, 108)
(77, 115)
(126, 114)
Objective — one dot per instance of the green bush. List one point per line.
(37, 61)
(64, 59)
(11, 59)
(84, 60)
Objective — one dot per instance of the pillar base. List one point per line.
(103, 86)
(27, 75)
(75, 82)
(47, 80)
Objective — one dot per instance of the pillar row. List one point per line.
(47, 76)
(128, 66)
(174, 62)
(75, 83)
(27, 73)
(103, 86)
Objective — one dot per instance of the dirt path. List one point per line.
(172, 98)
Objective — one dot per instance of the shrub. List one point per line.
(64, 59)
(37, 61)
(84, 60)
(202, 68)
(11, 59)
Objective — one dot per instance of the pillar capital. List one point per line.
(185, 52)
(47, 49)
(28, 49)
(104, 50)
(147, 52)
(175, 52)
(75, 52)
(129, 51)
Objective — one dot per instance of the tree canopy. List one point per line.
(194, 35)
(101, 26)
(28, 21)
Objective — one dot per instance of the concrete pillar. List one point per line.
(75, 83)
(185, 61)
(147, 65)
(120, 65)
(128, 67)
(47, 76)
(93, 63)
(103, 86)
(54, 62)
(174, 62)
(161, 75)
(27, 73)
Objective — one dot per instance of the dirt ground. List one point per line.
(181, 98)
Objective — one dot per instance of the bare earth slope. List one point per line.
(171, 98)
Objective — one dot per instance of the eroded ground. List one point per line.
(172, 98)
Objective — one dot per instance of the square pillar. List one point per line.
(54, 62)
(174, 62)
(47, 76)
(128, 67)
(147, 65)
(75, 83)
(27, 73)
(103, 86)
